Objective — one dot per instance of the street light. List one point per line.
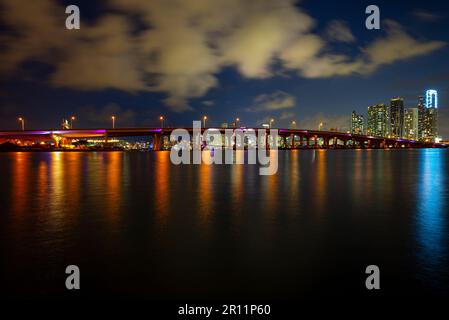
(22, 120)
(204, 121)
(237, 122)
(271, 122)
(113, 122)
(161, 118)
(319, 126)
(72, 118)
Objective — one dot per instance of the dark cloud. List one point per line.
(427, 16)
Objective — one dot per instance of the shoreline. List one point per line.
(280, 149)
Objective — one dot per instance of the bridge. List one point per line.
(289, 138)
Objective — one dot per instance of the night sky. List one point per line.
(309, 61)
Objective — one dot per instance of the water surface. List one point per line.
(138, 226)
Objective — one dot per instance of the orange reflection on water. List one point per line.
(114, 172)
(271, 186)
(294, 175)
(162, 186)
(20, 184)
(59, 203)
(42, 183)
(320, 180)
(206, 185)
(237, 189)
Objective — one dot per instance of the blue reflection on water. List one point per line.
(431, 216)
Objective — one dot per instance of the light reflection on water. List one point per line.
(195, 230)
(432, 213)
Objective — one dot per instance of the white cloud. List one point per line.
(277, 100)
(186, 44)
(397, 45)
(339, 31)
(301, 51)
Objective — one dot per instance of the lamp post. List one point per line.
(113, 122)
(22, 121)
(293, 124)
(161, 118)
(237, 121)
(204, 121)
(271, 122)
(320, 126)
(72, 118)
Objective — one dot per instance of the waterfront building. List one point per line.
(430, 119)
(411, 119)
(357, 123)
(378, 120)
(421, 113)
(431, 99)
(397, 117)
(430, 124)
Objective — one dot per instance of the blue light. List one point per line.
(431, 99)
(431, 219)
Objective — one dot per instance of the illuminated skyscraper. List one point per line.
(430, 131)
(411, 124)
(357, 123)
(378, 120)
(421, 113)
(397, 117)
(430, 119)
(431, 99)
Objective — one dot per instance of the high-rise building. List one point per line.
(431, 99)
(397, 117)
(378, 120)
(430, 120)
(421, 113)
(411, 124)
(357, 123)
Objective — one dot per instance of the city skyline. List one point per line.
(67, 122)
(236, 158)
(396, 120)
(286, 92)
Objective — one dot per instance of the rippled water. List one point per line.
(138, 226)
